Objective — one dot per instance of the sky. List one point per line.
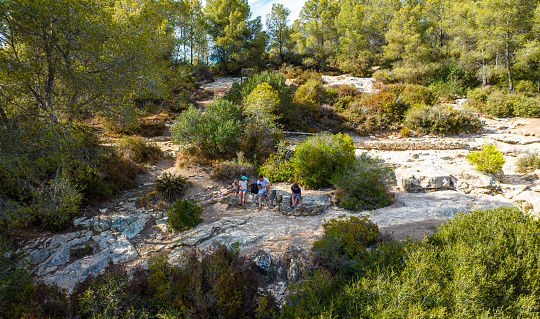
(263, 7)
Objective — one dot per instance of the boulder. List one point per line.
(263, 261)
(428, 180)
(308, 205)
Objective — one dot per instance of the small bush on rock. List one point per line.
(184, 214)
(364, 185)
(489, 159)
(529, 162)
(318, 157)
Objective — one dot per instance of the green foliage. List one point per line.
(171, 186)
(229, 170)
(442, 119)
(529, 162)
(489, 159)
(527, 107)
(364, 185)
(479, 265)
(214, 283)
(413, 94)
(525, 86)
(318, 157)
(285, 108)
(344, 241)
(134, 149)
(384, 104)
(278, 167)
(262, 130)
(184, 214)
(312, 94)
(211, 135)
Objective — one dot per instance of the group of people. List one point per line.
(240, 189)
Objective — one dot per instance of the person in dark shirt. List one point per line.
(296, 194)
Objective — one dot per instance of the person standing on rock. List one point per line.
(243, 183)
(296, 194)
(264, 188)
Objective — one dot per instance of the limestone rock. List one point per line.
(426, 180)
(162, 224)
(263, 261)
(122, 251)
(514, 139)
(308, 205)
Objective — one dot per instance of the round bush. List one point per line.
(417, 94)
(442, 119)
(318, 157)
(184, 215)
(489, 159)
(211, 135)
(364, 185)
(312, 94)
(278, 167)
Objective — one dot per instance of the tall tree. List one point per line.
(65, 57)
(316, 33)
(362, 25)
(276, 23)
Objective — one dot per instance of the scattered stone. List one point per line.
(122, 251)
(148, 184)
(162, 224)
(263, 261)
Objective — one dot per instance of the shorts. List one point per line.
(297, 195)
(262, 190)
(243, 190)
(235, 189)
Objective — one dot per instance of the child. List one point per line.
(234, 189)
(264, 187)
(243, 190)
(296, 194)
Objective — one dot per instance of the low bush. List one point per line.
(171, 186)
(278, 167)
(529, 162)
(364, 185)
(344, 241)
(212, 135)
(442, 119)
(489, 159)
(526, 107)
(414, 94)
(304, 76)
(479, 265)
(184, 214)
(318, 157)
(134, 149)
(232, 169)
(525, 86)
(312, 94)
(386, 104)
(477, 97)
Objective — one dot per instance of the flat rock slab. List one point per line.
(513, 139)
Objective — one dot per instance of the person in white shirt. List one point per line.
(264, 188)
(243, 183)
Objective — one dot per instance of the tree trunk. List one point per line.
(509, 68)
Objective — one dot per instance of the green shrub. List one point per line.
(212, 135)
(386, 104)
(285, 108)
(526, 107)
(117, 172)
(278, 167)
(134, 149)
(499, 104)
(477, 97)
(529, 162)
(489, 159)
(442, 119)
(312, 94)
(344, 240)
(413, 94)
(318, 157)
(304, 76)
(184, 214)
(262, 130)
(171, 186)
(364, 185)
(525, 86)
(233, 169)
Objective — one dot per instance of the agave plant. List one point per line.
(170, 186)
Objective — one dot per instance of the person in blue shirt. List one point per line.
(264, 187)
(296, 194)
